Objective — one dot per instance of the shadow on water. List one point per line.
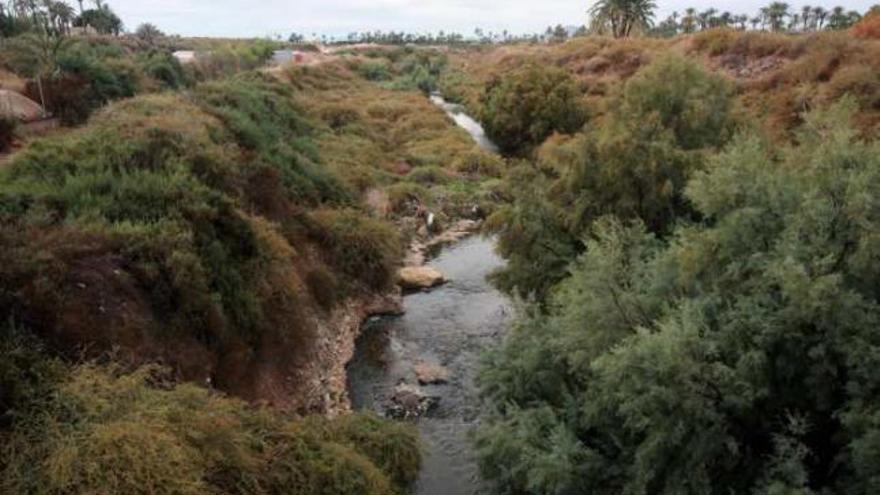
(450, 326)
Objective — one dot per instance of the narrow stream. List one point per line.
(449, 326)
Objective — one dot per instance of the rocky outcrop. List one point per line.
(409, 402)
(326, 374)
(431, 374)
(420, 277)
(419, 248)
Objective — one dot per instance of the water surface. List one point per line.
(450, 326)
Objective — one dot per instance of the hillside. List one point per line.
(777, 76)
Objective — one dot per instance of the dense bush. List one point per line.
(87, 77)
(362, 248)
(869, 26)
(99, 429)
(737, 356)
(375, 70)
(635, 167)
(192, 214)
(520, 109)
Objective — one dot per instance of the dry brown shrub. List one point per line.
(868, 27)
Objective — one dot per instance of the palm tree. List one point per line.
(622, 16)
(689, 20)
(806, 15)
(707, 18)
(837, 18)
(60, 15)
(776, 13)
(755, 21)
(819, 15)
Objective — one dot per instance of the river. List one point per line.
(449, 326)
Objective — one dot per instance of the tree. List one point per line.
(635, 166)
(620, 17)
(522, 108)
(776, 13)
(806, 17)
(689, 21)
(102, 19)
(819, 16)
(840, 19)
(738, 357)
(755, 22)
(148, 33)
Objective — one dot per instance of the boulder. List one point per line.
(409, 402)
(420, 277)
(431, 374)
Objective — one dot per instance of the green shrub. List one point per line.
(677, 95)
(364, 249)
(428, 174)
(740, 356)
(165, 68)
(635, 166)
(480, 163)
(522, 108)
(405, 197)
(102, 430)
(375, 70)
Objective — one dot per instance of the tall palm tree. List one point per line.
(755, 21)
(837, 18)
(776, 14)
(707, 18)
(806, 16)
(622, 16)
(688, 22)
(819, 16)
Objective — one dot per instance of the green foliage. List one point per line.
(520, 109)
(102, 430)
(366, 250)
(428, 174)
(375, 70)
(194, 208)
(676, 95)
(405, 197)
(228, 58)
(635, 167)
(165, 68)
(102, 19)
(85, 76)
(621, 17)
(738, 355)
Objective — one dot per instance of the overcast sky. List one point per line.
(246, 18)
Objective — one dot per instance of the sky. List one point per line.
(249, 18)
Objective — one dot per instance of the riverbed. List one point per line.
(450, 327)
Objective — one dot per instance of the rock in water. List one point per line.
(431, 374)
(409, 402)
(420, 277)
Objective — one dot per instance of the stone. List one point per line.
(431, 374)
(420, 277)
(409, 402)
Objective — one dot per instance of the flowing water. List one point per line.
(449, 326)
(465, 122)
